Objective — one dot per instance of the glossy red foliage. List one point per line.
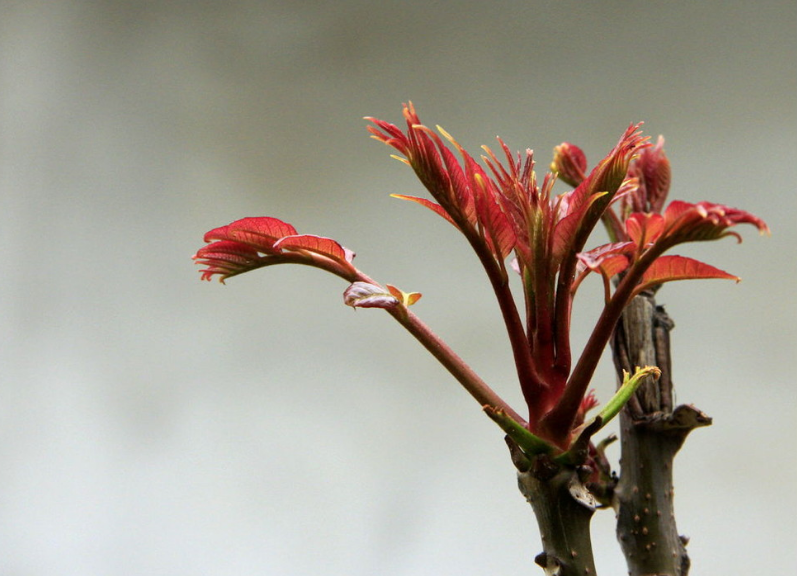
(255, 242)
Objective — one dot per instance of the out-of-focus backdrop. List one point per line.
(151, 424)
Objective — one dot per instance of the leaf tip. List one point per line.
(406, 298)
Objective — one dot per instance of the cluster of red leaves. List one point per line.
(502, 210)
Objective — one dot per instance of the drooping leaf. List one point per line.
(676, 209)
(227, 258)
(317, 244)
(236, 250)
(685, 222)
(252, 243)
(671, 268)
(367, 295)
(260, 232)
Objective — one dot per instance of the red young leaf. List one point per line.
(587, 403)
(448, 180)
(499, 233)
(227, 247)
(685, 222)
(607, 177)
(570, 163)
(613, 265)
(652, 168)
(461, 180)
(644, 229)
(563, 235)
(609, 260)
(259, 232)
(366, 295)
(571, 209)
(318, 244)
(518, 200)
(608, 265)
(436, 208)
(252, 243)
(386, 132)
(227, 258)
(670, 268)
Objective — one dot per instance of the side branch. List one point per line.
(464, 374)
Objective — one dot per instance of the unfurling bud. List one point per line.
(652, 168)
(570, 163)
(366, 295)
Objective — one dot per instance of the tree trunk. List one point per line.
(651, 433)
(563, 507)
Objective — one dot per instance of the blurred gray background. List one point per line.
(151, 424)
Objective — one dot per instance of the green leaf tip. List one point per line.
(630, 384)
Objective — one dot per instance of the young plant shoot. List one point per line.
(528, 238)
